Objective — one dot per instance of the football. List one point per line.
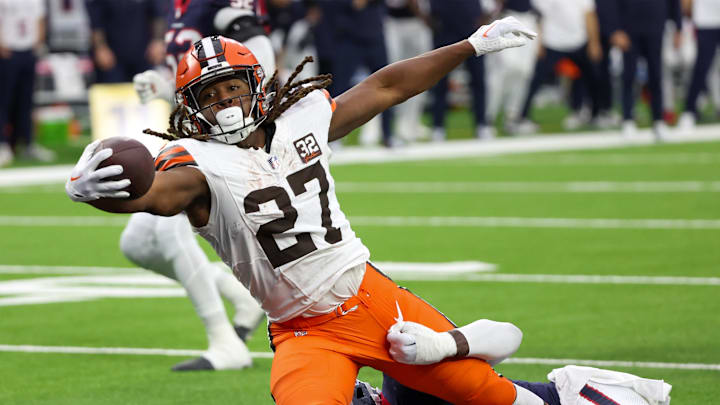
(138, 165)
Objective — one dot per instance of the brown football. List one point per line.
(138, 165)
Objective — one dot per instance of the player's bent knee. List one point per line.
(138, 243)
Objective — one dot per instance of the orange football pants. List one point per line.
(317, 359)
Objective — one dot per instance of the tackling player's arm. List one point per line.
(401, 80)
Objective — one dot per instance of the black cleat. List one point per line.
(196, 364)
(244, 332)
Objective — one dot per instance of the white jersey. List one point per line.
(274, 217)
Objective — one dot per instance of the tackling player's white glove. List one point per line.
(413, 343)
(86, 180)
(152, 84)
(499, 35)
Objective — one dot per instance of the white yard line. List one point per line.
(427, 151)
(431, 222)
(689, 186)
(612, 363)
(269, 355)
(521, 222)
(457, 267)
(88, 221)
(531, 187)
(584, 159)
(114, 350)
(465, 271)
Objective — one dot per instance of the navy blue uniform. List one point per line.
(644, 21)
(192, 20)
(17, 78)
(356, 38)
(396, 394)
(453, 21)
(127, 28)
(708, 41)
(609, 20)
(520, 6)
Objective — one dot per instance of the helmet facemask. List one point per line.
(233, 123)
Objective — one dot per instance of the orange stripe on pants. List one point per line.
(317, 359)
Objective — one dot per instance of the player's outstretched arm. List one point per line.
(173, 191)
(399, 81)
(413, 343)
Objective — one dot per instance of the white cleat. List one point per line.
(485, 133)
(6, 154)
(629, 129)
(660, 131)
(686, 124)
(524, 127)
(230, 356)
(439, 135)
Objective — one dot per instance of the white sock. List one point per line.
(524, 396)
(490, 340)
(226, 350)
(247, 311)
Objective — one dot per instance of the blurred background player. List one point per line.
(569, 29)
(407, 34)
(22, 35)
(358, 41)
(610, 36)
(453, 20)
(167, 245)
(127, 37)
(643, 21)
(706, 16)
(508, 82)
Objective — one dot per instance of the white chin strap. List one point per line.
(232, 126)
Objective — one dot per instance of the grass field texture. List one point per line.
(651, 212)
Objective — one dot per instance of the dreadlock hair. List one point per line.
(283, 98)
(292, 92)
(176, 129)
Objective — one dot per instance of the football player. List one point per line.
(167, 245)
(493, 342)
(251, 171)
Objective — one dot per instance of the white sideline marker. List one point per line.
(269, 355)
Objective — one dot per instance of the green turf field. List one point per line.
(649, 212)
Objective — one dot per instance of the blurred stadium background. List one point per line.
(601, 247)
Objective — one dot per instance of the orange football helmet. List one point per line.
(208, 61)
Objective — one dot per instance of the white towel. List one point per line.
(579, 385)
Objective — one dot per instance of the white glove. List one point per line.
(151, 84)
(85, 183)
(499, 35)
(413, 343)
